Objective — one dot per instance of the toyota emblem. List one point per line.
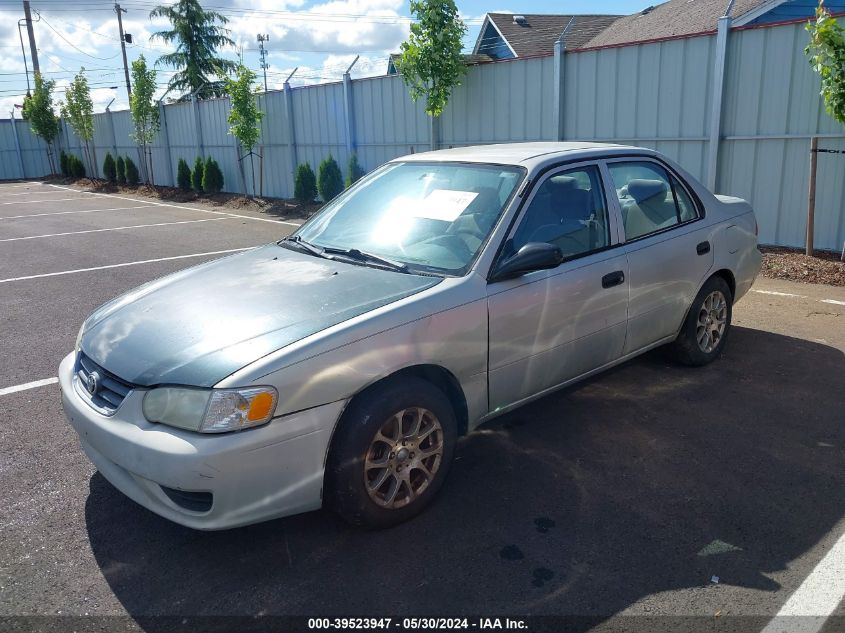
(92, 383)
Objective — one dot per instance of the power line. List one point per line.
(102, 59)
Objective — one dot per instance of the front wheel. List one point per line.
(390, 453)
(706, 328)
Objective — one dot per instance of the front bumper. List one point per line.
(254, 475)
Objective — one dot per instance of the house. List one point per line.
(509, 36)
(686, 18)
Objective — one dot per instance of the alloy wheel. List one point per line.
(712, 321)
(403, 457)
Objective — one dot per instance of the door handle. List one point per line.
(612, 279)
(703, 248)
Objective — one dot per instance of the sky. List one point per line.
(319, 37)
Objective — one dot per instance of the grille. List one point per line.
(110, 390)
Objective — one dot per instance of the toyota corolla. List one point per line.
(338, 366)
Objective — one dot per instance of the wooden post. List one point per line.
(811, 197)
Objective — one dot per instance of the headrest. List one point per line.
(641, 190)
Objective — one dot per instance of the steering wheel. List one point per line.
(449, 242)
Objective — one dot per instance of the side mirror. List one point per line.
(533, 256)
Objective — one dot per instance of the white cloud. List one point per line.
(336, 26)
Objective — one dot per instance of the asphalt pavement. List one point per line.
(653, 497)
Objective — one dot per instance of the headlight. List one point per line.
(210, 410)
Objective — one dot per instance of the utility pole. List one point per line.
(33, 51)
(263, 52)
(120, 13)
(23, 52)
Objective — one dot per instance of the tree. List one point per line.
(431, 62)
(78, 109)
(183, 175)
(826, 52)
(212, 177)
(121, 170)
(64, 163)
(197, 174)
(197, 35)
(131, 172)
(244, 115)
(354, 171)
(109, 168)
(38, 110)
(304, 184)
(329, 179)
(77, 167)
(144, 111)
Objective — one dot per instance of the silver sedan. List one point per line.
(339, 366)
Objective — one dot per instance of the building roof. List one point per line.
(671, 19)
(537, 34)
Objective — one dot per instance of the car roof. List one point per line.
(525, 154)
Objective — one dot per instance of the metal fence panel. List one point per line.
(500, 103)
(387, 123)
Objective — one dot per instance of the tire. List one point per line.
(367, 437)
(687, 349)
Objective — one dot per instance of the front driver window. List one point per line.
(568, 211)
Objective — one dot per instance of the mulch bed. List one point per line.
(278, 207)
(793, 265)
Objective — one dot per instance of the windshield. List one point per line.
(429, 216)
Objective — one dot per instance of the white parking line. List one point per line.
(144, 261)
(114, 228)
(28, 385)
(19, 185)
(817, 598)
(778, 294)
(26, 193)
(38, 215)
(834, 302)
(181, 206)
(37, 201)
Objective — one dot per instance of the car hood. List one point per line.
(200, 325)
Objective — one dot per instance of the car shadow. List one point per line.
(649, 478)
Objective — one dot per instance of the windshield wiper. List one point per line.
(306, 246)
(352, 253)
(363, 256)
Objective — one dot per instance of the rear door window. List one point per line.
(651, 199)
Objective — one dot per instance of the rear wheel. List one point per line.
(391, 453)
(706, 328)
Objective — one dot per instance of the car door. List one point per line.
(549, 326)
(668, 248)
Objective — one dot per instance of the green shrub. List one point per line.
(196, 175)
(109, 169)
(329, 179)
(131, 172)
(304, 184)
(77, 167)
(121, 170)
(354, 171)
(212, 177)
(183, 175)
(64, 164)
